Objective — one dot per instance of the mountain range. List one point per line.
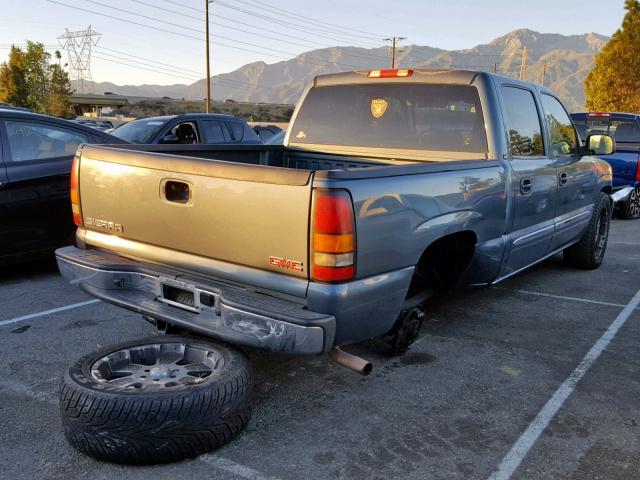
(565, 60)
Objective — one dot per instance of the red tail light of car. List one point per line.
(333, 244)
(75, 191)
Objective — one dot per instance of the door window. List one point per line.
(564, 140)
(187, 133)
(523, 122)
(237, 131)
(213, 131)
(34, 141)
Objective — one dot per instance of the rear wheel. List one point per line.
(631, 208)
(588, 253)
(155, 400)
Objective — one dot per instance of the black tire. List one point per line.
(589, 252)
(631, 208)
(153, 424)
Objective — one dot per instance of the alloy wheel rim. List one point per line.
(157, 366)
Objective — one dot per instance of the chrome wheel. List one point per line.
(157, 366)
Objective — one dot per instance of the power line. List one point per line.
(281, 22)
(184, 35)
(260, 33)
(339, 29)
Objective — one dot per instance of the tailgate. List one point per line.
(251, 215)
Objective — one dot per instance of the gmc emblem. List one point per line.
(280, 262)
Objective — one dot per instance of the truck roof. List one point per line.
(416, 75)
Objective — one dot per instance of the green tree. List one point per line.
(29, 79)
(13, 85)
(614, 82)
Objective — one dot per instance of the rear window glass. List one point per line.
(404, 116)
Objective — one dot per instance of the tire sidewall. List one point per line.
(604, 203)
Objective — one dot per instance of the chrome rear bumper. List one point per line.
(219, 310)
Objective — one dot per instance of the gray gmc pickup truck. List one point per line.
(391, 184)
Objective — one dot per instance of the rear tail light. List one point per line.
(333, 245)
(390, 73)
(75, 191)
(638, 169)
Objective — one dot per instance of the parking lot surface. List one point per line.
(537, 378)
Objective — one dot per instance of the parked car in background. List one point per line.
(190, 128)
(266, 132)
(625, 162)
(36, 152)
(102, 125)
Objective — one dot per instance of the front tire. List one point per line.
(631, 208)
(155, 400)
(589, 252)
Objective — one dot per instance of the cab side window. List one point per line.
(38, 141)
(523, 122)
(564, 139)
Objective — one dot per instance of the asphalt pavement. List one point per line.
(538, 378)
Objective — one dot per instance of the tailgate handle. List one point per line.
(177, 192)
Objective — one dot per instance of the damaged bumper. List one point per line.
(621, 195)
(204, 306)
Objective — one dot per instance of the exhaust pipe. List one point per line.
(352, 362)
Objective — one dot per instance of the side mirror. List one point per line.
(601, 144)
(169, 138)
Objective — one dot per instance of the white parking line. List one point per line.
(521, 448)
(47, 312)
(232, 467)
(563, 297)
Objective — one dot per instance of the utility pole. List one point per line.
(523, 64)
(495, 68)
(206, 28)
(78, 46)
(394, 45)
(544, 72)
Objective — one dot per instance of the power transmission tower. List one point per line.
(523, 64)
(78, 46)
(544, 72)
(394, 46)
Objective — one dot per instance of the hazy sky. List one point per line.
(164, 44)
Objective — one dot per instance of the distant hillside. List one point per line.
(568, 59)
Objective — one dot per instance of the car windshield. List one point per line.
(403, 116)
(139, 131)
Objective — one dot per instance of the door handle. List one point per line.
(177, 192)
(563, 178)
(525, 186)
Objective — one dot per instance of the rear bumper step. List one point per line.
(219, 310)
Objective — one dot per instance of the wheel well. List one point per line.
(443, 262)
(607, 190)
